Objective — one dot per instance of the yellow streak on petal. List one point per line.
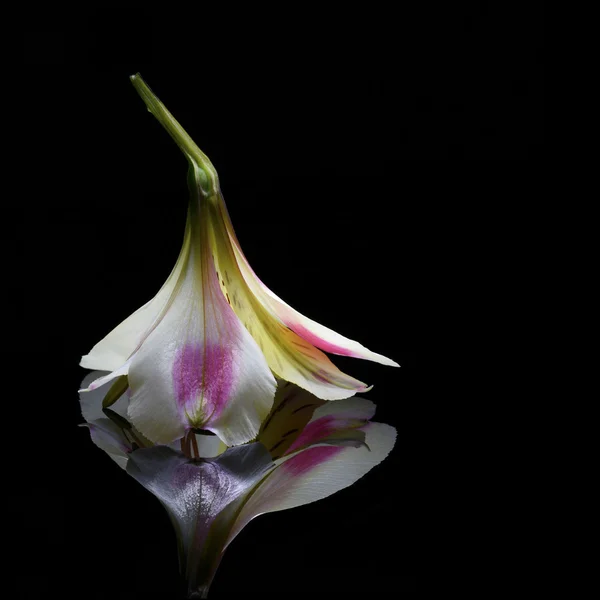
(288, 355)
(292, 409)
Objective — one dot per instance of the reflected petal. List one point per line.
(110, 438)
(194, 493)
(91, 402)
(316, 473)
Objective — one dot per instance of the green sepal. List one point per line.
(117, 419)
(117, 389)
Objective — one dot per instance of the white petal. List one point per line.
(209, 446)
(199, 367)
(114, 349)
(99, 382)
(91, 402)
(316, 473)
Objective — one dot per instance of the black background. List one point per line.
(359, 158)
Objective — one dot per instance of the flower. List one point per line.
(307, 449)
(202, 353)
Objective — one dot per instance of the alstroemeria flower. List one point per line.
(307, 449)
(201, 352)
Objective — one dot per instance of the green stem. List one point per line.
(204, 169)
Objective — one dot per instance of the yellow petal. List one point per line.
(288, 355)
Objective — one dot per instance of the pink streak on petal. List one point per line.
(203, 375)
(315, 340)
(313, 432)
(309, 459)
